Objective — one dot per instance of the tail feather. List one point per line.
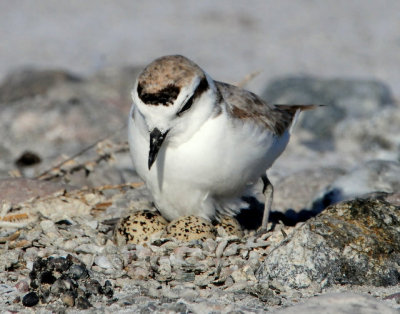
(294, 108)
(295, 111)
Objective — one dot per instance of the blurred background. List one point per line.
(67, 68)
(230, 39)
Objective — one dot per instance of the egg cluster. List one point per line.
(145, 225)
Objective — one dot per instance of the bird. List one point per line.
(200, 144)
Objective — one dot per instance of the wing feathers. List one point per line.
(244, 105)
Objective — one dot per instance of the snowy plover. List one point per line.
(198, 143)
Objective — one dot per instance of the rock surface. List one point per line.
(355, 242)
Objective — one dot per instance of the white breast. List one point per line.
(215, 165)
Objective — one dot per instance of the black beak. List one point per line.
(156, 140)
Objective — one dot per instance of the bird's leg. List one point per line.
(268, 191)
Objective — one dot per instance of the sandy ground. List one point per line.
(228, 38)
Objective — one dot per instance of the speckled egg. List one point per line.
(139, 227)
(189, 228)
(229, 226)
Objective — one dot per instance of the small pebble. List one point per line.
(88, 248)
(78, 272)
(107, 289)
(232, 249)
(209, 245)
(58, 286)
(93, 286)
(143, 252)
(103, 262)
(31, 254)
(87, 259)
(138, 273)
(29, 265)
(59, 264)
(239, 276)
(92, 224)
(48, 226)
(68, 299)
(69, 245)
(83, 303)
(22, 286)
(220, 248)
(30, 299)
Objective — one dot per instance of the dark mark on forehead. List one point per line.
(165, 96)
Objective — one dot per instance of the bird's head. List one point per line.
(174, 96)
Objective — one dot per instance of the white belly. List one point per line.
(206, 173)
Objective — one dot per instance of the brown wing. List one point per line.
(243, 104)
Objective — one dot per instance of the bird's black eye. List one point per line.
(187, 106)
(200, 89)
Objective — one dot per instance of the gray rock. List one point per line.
(343, 97)
(372, 176)
(30, 83)
(355, 242)
(344, 303)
